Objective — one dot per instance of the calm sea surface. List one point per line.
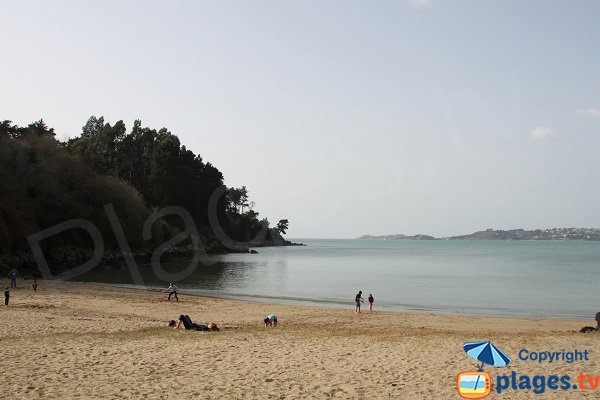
(544, 278)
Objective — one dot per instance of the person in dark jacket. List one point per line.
(13, 278)
(358, 299)
(371, 301)
(192, 326)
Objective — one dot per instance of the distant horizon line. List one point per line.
(437, 237)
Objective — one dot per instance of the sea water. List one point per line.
(519, 278)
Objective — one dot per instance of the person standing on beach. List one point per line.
(34, 286)
(172, 290)
(13, 278)
(371, 301)
(358, 299)
(6, 296)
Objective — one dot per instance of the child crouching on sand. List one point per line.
(271, 320)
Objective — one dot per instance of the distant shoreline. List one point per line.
(553, 234)
(382, 306)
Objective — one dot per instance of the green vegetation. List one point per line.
(282, 226)
(45, 182)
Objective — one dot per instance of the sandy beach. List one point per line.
(75, 340)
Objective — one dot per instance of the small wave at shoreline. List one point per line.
(379, 305)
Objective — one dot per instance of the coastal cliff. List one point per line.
(116, 192)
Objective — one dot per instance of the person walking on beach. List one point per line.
(172, 290)
(13, 278)
(598, 321)
(371, 301)
(34, 286)
(6, 296)
(358, 299)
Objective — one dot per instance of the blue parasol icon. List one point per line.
(487, 353)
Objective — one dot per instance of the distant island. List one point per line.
(513, 234)
(398, 237)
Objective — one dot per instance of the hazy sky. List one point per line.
(346, 117)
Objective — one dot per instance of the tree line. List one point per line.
(45, 181)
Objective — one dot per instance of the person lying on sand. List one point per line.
(271, 320)
(588, 329)
(189, 325)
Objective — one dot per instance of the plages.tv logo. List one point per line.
(478, 384)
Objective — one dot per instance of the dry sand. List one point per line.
(75, 340)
